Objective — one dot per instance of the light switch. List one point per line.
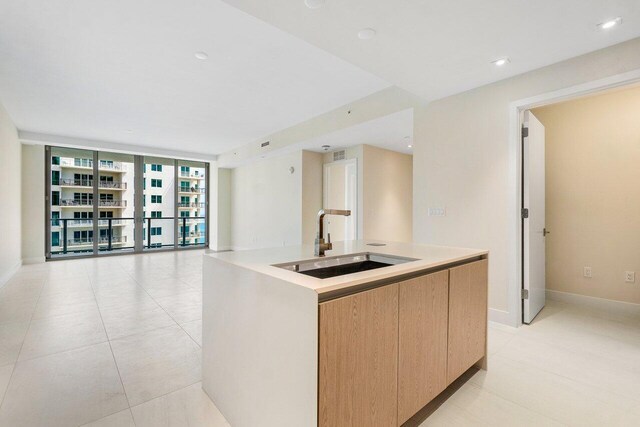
(437, 211)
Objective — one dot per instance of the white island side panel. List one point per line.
(259, 347)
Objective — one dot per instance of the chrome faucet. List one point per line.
(320, 245)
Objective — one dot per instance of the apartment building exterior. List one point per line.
(72, 201)
(173, 203)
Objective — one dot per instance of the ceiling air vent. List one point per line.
(264, 144)
(339, 155)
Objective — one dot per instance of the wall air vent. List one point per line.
(339, 155)
(264, 144)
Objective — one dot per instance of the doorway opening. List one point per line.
(580, 202)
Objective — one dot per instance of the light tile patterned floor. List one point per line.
(116, 342)
(104, 342)
(573, 366)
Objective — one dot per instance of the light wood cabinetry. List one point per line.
(422, 370)
(467, 317)
(358, 359)
(385, 353)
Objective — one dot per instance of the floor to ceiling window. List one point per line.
(101, 203)
(116, 205)
(159, 203)
(192, 203)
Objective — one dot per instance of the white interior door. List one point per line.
(340, 192)
(533, 222)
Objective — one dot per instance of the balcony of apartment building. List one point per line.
(88, 222)
(193, 189)
(87, 164)
(88, 183)
(187, 173)
(87, 242)
(88, 203)
(191, 205)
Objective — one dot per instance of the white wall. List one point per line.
(220, 221)
(593, 194)
(266, 202)
(462, 161)
(387, 195)
(311, 194)
(10, 194)
(33, 204)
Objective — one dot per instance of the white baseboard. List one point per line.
(6, 276)
(500, 316)
(619, 309)
(34, 260)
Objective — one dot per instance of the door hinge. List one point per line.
(525, 294)
(525, 213)
(525, 132)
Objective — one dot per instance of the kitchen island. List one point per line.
(284, 348)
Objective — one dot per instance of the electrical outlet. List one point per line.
(630, 276)
(587, 272)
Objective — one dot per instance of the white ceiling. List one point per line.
(435, 48)
(125, 71)
(393, 132)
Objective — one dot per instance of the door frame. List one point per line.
(513, 316)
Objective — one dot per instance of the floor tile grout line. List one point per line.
(535, 411)
(572, 379)
(91, 280)
(167, 313)
(115, 362)
(165, 394)
(13, 370)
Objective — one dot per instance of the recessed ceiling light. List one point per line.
(201, 55)
(326, 147)
(314, 4)
(610, 23)
(500, 62)
(409, 146)
(366, 34)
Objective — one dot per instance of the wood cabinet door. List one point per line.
(423, 318)
(358, 360)
(467, 317)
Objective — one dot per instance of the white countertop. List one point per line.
(428, 256)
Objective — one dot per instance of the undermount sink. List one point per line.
(343, 264)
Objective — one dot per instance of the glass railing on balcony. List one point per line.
(193, 190)
(71, 182)
(191, 205)
(107, 185)
(101, 241)
(192, 231)
(88, 164)
(89, 202)
(104, 222)
(75, 236)
(158, 232)
(191, 174)
(113, 185)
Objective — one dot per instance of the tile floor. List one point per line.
(116, 342)
(104, 342)
(573, 366)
